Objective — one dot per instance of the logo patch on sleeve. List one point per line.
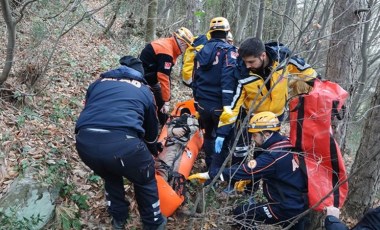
(168, 65)
(252, 164)
(234, 55)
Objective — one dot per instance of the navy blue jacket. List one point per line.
(370, 220)
(214, 80)
(284, 183)
(120, 100)
(333, 223)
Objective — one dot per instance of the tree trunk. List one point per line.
(260, 20)
(224, 8)
(317, 55)
(285, 21)
(114, 16)
(364, 55)
(11, 40)
(343, 54)
(197, 21)
(234, 23)
(151, 21)
(253, 19)
(365, 184)
(341, 59)
(192, 22)
(245, 5)
(163, 12)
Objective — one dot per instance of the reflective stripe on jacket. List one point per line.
(251, 90)
(214, 79)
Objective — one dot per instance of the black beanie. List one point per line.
(133, 63)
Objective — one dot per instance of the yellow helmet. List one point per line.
(264, 121)
(219, 23)
(185, 35)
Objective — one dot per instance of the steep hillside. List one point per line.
(37, 122)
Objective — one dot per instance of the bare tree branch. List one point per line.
(23, 9)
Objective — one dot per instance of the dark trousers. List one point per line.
(241, 149)
(252, 213)
(117, 154)
(209, 118)
(162, 117)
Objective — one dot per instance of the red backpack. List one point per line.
(310, 132)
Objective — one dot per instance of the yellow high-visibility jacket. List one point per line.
(251, 90)
(188, 58)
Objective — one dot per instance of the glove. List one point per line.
(240, 185)
(332, 211)
(178, 132)
(196, 115)
(165, 108)
(226, 116)
(227, 109)
(202, 177)
(218, 144)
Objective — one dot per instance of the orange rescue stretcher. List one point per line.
(171, 197)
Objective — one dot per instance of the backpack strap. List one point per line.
(335, 111)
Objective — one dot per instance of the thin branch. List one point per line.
(374, 157)
(63, 32)
(22, 10)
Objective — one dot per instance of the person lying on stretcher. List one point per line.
(180, 130)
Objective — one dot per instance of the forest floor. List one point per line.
(37, 125)
(37, 122)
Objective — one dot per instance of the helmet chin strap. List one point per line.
(265, 138)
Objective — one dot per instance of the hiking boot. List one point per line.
(117, 224)
(162, 226)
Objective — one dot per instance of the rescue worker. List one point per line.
(214, 81)
(283, 182)
(264, 80)
(191, 51)
(188, 58)
(158, 59)
(180, 131)
(370, 220)
(116, 136)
